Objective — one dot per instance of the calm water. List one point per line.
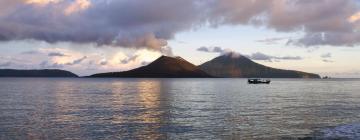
(178, 109)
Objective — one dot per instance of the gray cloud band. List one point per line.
(254, 56)
(264, 57)
(150, 23)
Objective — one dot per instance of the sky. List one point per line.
(92, 36)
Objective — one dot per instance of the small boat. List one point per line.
(258, 81)
(326, 77)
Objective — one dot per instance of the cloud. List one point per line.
(211, 49)
(129, 59)
(125, 23)
(49, 65)
(76, 6)
(215, 49)
(103, 62)
(289, 58)
(326, 58)
(254, 56)
(77, 61)
(145, 63)
(56, 65)
(56, 54)
(328, 61)
(203, 49)
(326, 55)
(271, 41)
(166, 50)
(264, 57)
(31, 52)
(151, 23)
(6, 64)
(324, 22)
(259, 56)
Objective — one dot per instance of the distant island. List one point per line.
(234, 65)
(224, 66)
(163, 67)
(36, 73)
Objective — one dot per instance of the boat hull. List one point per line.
(258, 81)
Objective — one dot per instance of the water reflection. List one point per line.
(117, 101)
(138, 107)
(149, 99)
(64, 103)
(67, 120)
(173, 108)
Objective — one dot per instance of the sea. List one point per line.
(125, 108)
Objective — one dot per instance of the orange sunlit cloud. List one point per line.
(354, 17)
(76, 6)
(73, 7)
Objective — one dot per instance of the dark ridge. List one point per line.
(163, 67)
(36, 73)
(234, 65)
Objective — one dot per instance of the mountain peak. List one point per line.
(180, 58)
(163, 57)
(236, 65)
(233, 55)
(169, 58)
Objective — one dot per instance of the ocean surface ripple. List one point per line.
(41, 108)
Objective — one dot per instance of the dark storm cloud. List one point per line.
(325, 22)
(151, 23)
(126, 23)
